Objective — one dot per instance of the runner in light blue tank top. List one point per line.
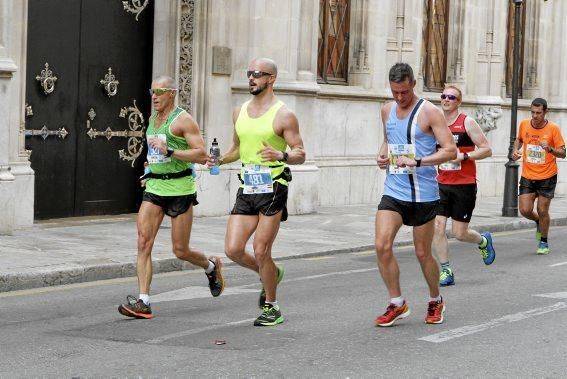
(421, 186)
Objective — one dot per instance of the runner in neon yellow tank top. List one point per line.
(263, 129)
(174, 144)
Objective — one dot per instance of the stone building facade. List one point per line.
(207, 44)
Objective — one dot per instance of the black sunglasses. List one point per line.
(257, 74)
(450, 97)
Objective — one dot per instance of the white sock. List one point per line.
(211, 267)
(145, 298)
(274, 304)
(397, 301)
(435, 299)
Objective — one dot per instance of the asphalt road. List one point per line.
(504, 320)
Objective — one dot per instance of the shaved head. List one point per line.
(267, 64)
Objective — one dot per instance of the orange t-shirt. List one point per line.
(537, 164)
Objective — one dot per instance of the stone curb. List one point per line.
(88, 273)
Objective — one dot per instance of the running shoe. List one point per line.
(487, 253)
(135, 308)
(435, 310)
(262, 299)
(216, 280)
(270, 315)
(447, 278)
(542, 248)
(392, 314)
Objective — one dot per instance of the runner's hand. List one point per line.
(268, 153)
(516, 154)
(382, 161)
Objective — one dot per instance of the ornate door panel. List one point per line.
(103, 69)
(53, 158)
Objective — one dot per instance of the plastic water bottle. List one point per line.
(215, 154)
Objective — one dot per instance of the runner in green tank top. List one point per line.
(174, 144)
(263, 129)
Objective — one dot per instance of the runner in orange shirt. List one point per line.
(539, 142)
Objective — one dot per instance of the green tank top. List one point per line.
(253, 131)
(169, 187)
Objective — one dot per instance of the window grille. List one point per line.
(434, 54)
(332, 59)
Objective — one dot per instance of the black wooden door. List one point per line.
(102, 58)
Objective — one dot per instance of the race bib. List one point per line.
(397, 150)
(257, 179)
(450, 166)
(535, 154)
(154, 155)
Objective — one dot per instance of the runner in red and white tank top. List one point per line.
(457, 185)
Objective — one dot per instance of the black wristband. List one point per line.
(466, 156)
(417, 162)
(285, 156)
(169, 152)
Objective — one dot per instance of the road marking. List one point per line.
(471, 329)
(189, 332)
(558, 264)
(196, 292)
(554, 295)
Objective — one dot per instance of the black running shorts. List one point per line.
(413, 214)
(545, 187)
(266, 203)
(457, 201)
(172, 205)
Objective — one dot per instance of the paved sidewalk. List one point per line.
(85, 249)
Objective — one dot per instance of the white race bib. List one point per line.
(257, 179)
(536, 154)
(450, 166)
(154, 155)
(397, 150)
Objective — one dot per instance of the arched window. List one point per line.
(334, 24)
(510, 48)
(434, 53)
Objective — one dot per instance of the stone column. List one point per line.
(13, 162)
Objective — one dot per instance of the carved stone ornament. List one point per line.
(186, 53)
(487, 116)
(135, 6)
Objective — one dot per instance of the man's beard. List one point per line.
(257, 91)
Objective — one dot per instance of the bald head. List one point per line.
(267, 65)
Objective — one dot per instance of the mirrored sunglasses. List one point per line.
(160, 91)
(257, 74)
(450, 97)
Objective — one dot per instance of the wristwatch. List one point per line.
(466, 156)
(417, 162)
(285, 156)
(169, 152)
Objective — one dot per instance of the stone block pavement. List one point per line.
(74, 250)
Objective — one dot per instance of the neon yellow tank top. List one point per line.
(170, 187)
(253, 131)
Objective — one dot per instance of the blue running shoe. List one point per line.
(542, 248)
(487, 253)
(447, 278)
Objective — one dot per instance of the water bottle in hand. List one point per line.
(215, 155)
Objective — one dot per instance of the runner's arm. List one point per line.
(447, 150)
(185, 125)
(382, 156)
(474, 131)
(233, 152)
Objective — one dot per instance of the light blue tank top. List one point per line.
(421, 186)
